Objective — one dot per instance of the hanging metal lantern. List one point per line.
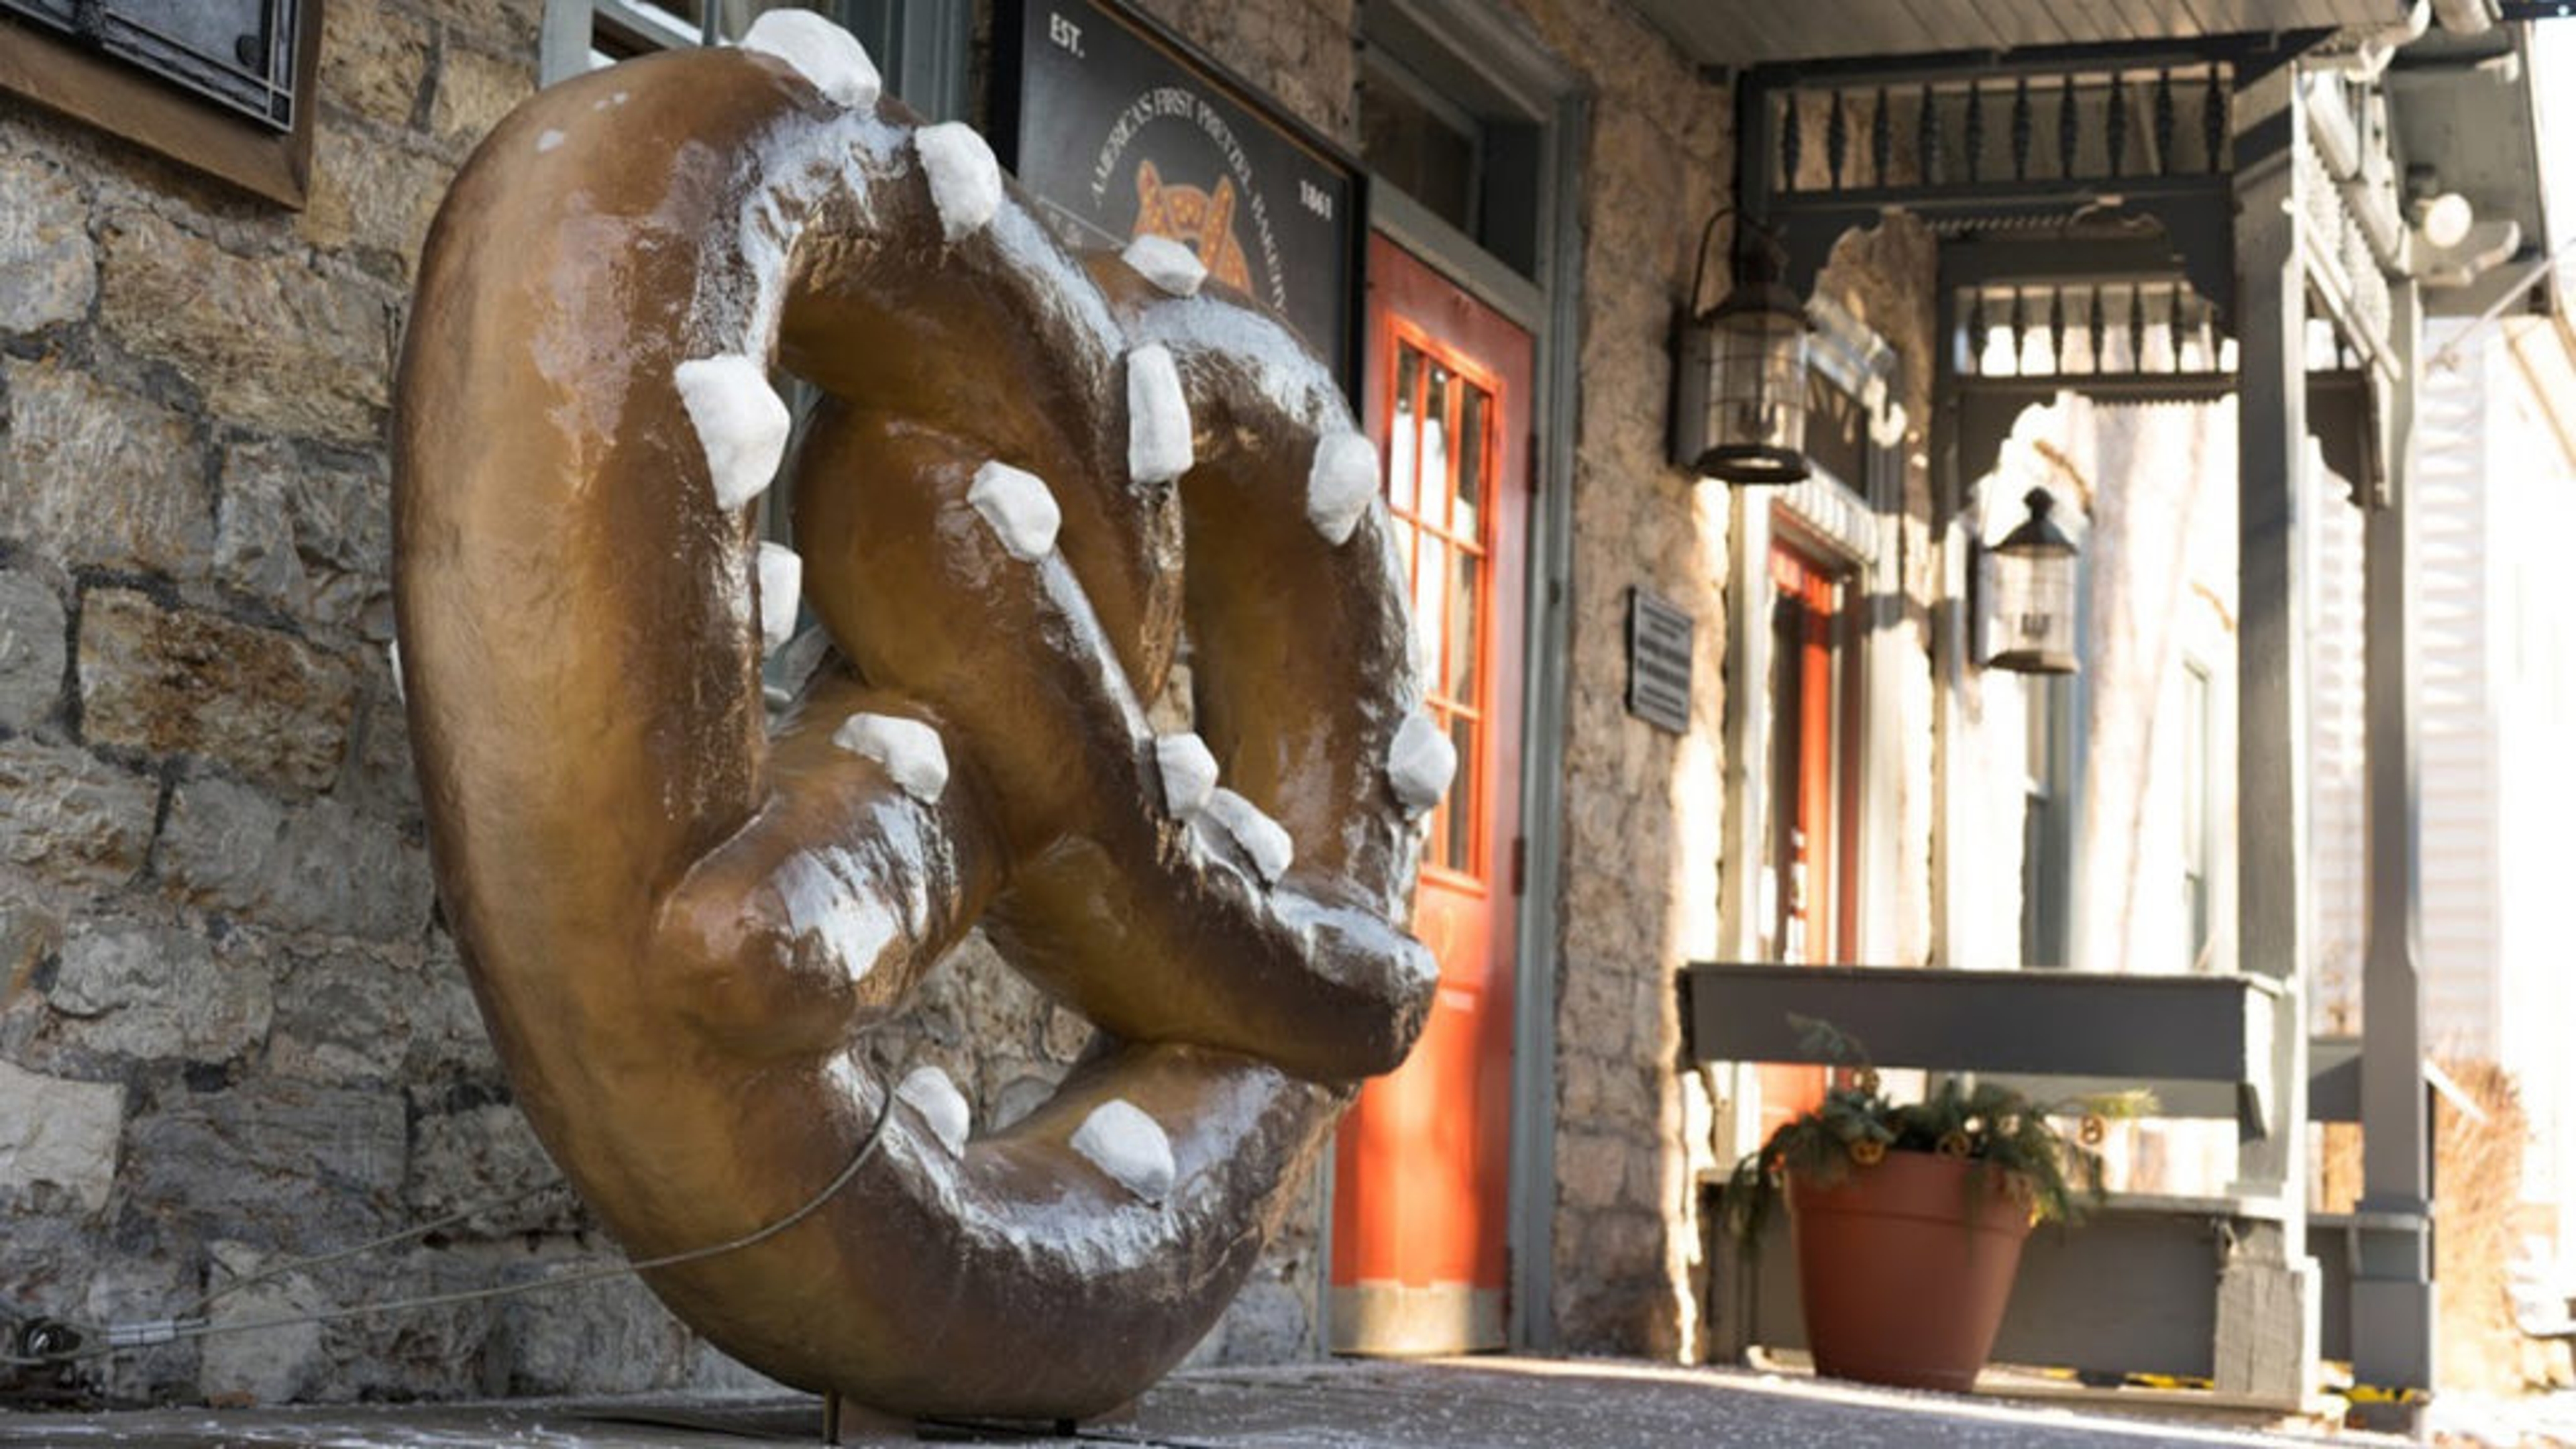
(1740, 412)
(2034, 580)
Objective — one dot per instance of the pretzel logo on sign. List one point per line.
(1029, 481)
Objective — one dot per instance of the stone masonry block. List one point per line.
(71, 818)
(48, 268)
(474, 92)
(487, 1155)
(156, 993)
(30, 932)
(372, 194)
(92, 476)
(285, 347)
(171, 682)
(611, 1336)
(31, 651)
(320, 867)
(57, 1136)
(374, 58)
(312, 537)
(350, 1012)
(273, 1365)
(1589, 1168)
(509, 26)
(275, 1164)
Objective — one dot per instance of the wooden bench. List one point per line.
(2149, 1283)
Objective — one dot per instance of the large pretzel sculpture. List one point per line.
(679, 925)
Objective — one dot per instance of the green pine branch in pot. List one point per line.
(1907, 1218)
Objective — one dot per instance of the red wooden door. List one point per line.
(1805, 849)
(1421, 1165)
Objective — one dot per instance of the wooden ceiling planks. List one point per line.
(1755, 31)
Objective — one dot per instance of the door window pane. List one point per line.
(1475, 462)
(1435, 446)
(1460, 807)
(1403, 443)
(1430, 598)
(1466, 607)
(1441, 467)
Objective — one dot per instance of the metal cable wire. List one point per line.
(422, 1230)
(103, 1342)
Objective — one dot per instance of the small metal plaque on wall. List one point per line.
(1659, 662)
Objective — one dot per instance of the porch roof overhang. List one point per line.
(2463, 105)
(2461, 86)
(1768, 31)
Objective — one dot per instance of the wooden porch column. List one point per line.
(2392, 1287)
(2267, 1327)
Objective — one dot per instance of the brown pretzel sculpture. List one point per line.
(1029, 479)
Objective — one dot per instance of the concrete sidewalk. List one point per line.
(1493, 1403)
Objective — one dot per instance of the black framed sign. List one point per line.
(240, 54)
(1659, 661)
(1117, 128)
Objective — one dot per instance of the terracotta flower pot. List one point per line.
(1904, 1268)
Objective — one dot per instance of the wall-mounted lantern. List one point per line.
(2033, 571)
(1740, 369)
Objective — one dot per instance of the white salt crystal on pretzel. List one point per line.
(782, 585)
(1419, 764)
(928, 1091)
(1019, 507)
(1158, 417)
(965, 180)
(1166, 263)
(742, 423)
(821, 51)
(1188, 771)
(1341, 484)
(910, 751)
(1131, 1147)
(1261, 838)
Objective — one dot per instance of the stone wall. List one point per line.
(1642, 808)
(232, 1031)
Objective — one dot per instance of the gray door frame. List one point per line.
(1518, 71)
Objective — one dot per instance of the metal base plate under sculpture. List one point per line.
(683, 917)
